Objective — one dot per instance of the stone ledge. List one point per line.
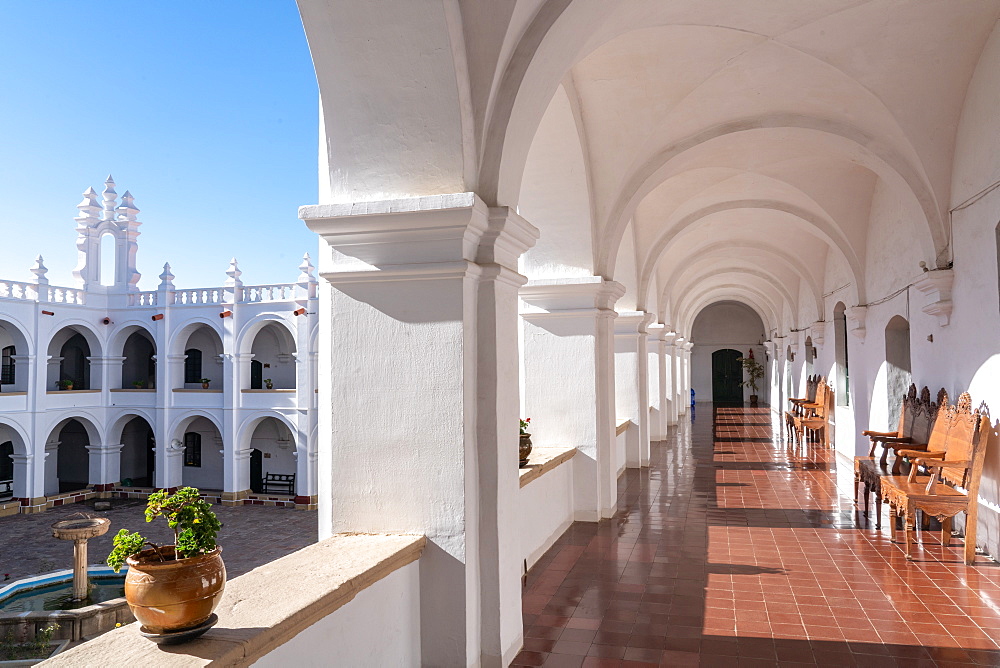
(265, 608)
(201, 391)
(274, 391)
(543, 460)
(622, 427)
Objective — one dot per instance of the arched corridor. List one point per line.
(735, 547)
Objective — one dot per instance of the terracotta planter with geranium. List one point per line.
(525, 446)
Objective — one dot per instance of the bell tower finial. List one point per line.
(110, 195)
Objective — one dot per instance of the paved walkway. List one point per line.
(250, 536)
(734, 549)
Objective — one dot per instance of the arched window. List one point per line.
(840, 344)
(108, 259)
(192, 449)
(192, 366)
(7, 366)
(897, 358)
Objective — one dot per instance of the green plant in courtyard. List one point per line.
(525, 423)
(190, 517)
(754, 371)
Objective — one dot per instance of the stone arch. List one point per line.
(68, 468)
(138, 346)
(704, 277)
(70, 347)
(138, 453)
(284, 457)
(204, 337)
(756, 300)
(17, 350)
(206, 470)
(272, 342)
(16, 462)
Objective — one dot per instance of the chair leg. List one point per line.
(946, 532)
(897, 464)
(883, 461)
(908, 532)
(925, 521)
(892, 522)
(970, 536)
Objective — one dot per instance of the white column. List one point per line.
(686, 374)
(105, 464)
(26, 484)
(656, 384)
(418, 387)
(570, 381)
(676, 365)
(632, 384)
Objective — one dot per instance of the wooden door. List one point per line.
(727, 376)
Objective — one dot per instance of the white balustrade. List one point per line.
(17, 290)
(268, 293)
(67, 295)
(198, 296)
(142, 298)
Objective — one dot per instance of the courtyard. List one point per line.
(250, 536)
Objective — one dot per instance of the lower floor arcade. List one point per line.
(736, 547)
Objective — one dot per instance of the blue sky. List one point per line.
(205, 111)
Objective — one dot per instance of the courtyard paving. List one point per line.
(250, 536)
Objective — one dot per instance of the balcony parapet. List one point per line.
(543, 460)
(262, 610)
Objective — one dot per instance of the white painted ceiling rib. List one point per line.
(747, 148)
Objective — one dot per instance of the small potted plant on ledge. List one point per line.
(268, 384)
(525, 447)
(65, 384)
(173, 589)
(138, 384)
(754, 372)
(204, 383)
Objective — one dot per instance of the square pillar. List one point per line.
(632, 384)
(105, 465)
(418, 396)
(659, 402)
(570, 381)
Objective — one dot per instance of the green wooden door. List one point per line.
(727, 376)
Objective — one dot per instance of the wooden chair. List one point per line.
(952, 483)
(918, 430)
(812, 382)
(816, 422)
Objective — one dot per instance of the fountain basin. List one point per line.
(83, 528)
(88, 620)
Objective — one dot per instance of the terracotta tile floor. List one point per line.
(735, 549)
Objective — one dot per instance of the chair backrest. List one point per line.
(824, 398)
(924, 412)
(963, 435)
(984, 436)
(938, 439)
(812, 382)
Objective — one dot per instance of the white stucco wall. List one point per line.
(545, 510)
(379, 627)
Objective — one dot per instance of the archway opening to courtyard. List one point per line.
(138, 454)
(272, 452)
(203, 358)
(273, 360)
(898, 365)
(722, 333)
(13, 352)
(71, 350)
(203, 457)
(69, 469)
(139, 365)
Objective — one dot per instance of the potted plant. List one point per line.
(204, 383)
(268, 384)
(754, 371)
(525, 446)
(173, 589)
(65, 384)
(138, 384)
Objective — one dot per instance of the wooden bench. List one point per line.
(279, 483)
(797, 403)
(917, 430)
(815, 421)
(951, 485)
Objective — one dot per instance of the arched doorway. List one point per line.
(72, 460)
(138, 456)
(139, 367)
(75, 365)
(273, 350)
(202, 348)
(203, 460)
(898, 366)
(273, 446)
(727, 376)
(6, 470)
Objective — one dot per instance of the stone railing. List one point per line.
(198, 296)
(44, 293)
(18, 290)
(67, 295)
(142, 298)
(317, 606)
(277, 292)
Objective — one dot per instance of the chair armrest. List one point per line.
(902, 440)
(880, 434)
(945, 463)
(920, 454)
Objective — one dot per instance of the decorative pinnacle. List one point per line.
(110, 195)
(39, 270)
(166, 278)
(307, 270)
(127, 209)
(234, 274)
(89, 207)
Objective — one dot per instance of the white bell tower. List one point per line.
(92, 225)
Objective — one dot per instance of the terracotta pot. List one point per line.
(204, 386)
(753, 399)
(525, 449)
(172, 595)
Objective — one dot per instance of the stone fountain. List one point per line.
(79, 531)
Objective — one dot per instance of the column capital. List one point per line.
(631, 323)
(107, 448)
(570, 294)
(389, 235)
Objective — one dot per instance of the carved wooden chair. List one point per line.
(797, 411)
(952, 483)
(918, 430)
(815, 421)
